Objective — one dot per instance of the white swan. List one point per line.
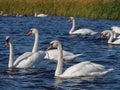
(81, 69)
(67, 56)
(39, 15)
(27, 60)
(51, 54)
(109, 32)
(81, 31)
(35, 46)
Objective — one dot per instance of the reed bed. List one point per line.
(107, 9)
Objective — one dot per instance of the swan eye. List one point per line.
(51, 43)
(7, 40)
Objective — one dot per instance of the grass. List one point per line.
(108, 9)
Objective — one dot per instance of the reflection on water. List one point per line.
(50, 28)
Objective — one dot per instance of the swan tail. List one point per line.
(68, 58)
(77, 55)
(93, 33)
(100, 73)
(107, 71)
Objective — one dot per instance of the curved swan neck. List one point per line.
(111, 37)
(73, 27)
(114, 34)
(60, 61)
(35, 43)
(10, 63)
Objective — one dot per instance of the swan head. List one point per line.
(32, 31)
(105, 33)
(53, 44)
(70, 19)
(8, 39)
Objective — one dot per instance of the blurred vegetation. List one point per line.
(107, 9)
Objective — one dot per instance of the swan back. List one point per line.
(30, 60)
(85, 68)
(22, 57)
(53, 54)
(116, 29)
(42, 15)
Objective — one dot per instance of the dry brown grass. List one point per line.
(109, 9)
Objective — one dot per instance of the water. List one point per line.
(51, 28)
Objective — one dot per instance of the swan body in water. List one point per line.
(116, 31)
(39, 15)
(26, 60)
(67, 56)
(85, 68)
(51, 54)
(81, 31)
(111, 36)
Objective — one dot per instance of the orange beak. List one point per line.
(102, 36)
(49, 47)
(29, 33)
(69, 20)
(6, 43)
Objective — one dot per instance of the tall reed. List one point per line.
(108, 9)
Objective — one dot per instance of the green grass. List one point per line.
(108, 9)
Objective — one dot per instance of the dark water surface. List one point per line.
(51, 28)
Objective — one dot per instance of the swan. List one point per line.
(67, 56)
(109, 32)
(85, 68)
(83, 31)
(40, 15)
(27, 60)
(51, 54)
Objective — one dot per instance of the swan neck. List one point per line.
(10, 63)
(73, 27)
(111, 37)
(114, 34)
(60, 61)
(35, 43)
